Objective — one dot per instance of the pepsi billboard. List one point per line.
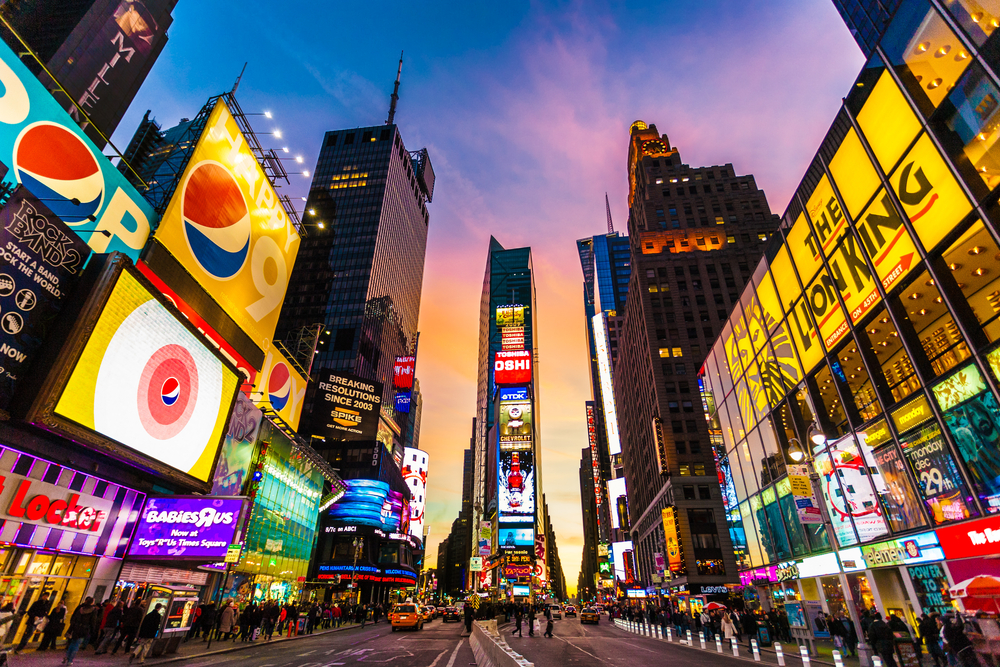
(138, 383)
(280, 388)
(227, 228)
(53, 158)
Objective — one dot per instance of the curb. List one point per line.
(247, 645)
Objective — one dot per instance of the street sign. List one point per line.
(233, 553)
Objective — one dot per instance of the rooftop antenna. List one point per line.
(607, 205)
(395, 92)
(237, 84)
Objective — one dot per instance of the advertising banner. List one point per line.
(187, 528)
(347, 406)
(403, 400)
(512, 367)
(595, 461)
(902, 506)
(512, 338)
(510, 316)
(931, 586)
(516, 484)
(605, 374)
(540, 545)
(972, 539)
(402, 372)
(939, 481)
(280, 388)
(806, 506)
(515, 420)
(846, 481)
(368, 502)
(616, 490)
(516, 536)
(145, 388)
(415, 477)
(237, 448)
(485, 538)
(40, 263)
(675, 552)
(228, 229)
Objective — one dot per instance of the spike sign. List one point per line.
(58, 164)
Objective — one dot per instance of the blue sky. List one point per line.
(525, 109)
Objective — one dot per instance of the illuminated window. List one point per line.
(829, 401)
(665, 352)
(849, 365)
(684, 470)
(730, 238)
(893, 359)
(979, 18)
(970, 115)
(972, 260)
(678, 352)
(654, 288)
(699, 469)
(942, 343)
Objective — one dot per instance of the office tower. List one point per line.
(454, 552)
(411, 436)
(586, 587)
(99, 51)
(361, 267)
(694, 233)
(867, 20)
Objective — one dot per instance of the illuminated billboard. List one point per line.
(40, 263)
(510, 316)
(512, 367)
(607, 384)
(238, 448)
(347, 406)
(516, 484)
(402, 372)
(280, 388)
(368, 502)
(226, 226)
(415, 463)
(846, 480)
(515, 422)
(616, 490)
(142, 386)
(516, 536)
(187, 528)
(51, 156)
(403, 400)
(621, 553)
(595, 461)
(675, 552)
(512, 338)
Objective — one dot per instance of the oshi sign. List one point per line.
(512, 367)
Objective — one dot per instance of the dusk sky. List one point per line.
(525, 109)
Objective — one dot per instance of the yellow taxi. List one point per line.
(589, 615)
(406, 615)
(427, 613)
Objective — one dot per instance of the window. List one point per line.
(688, 316)
(664, 352)
(688, 493)
(674, 407)
(700, 299)
(968, 259)
(696, 283)
(688, 406)
(670, 387)
(661, 334)
(942, 342)
(682, 284)
(684, 470)
(692, 332)
(677, 426)
(662, 272)
(679, 271)
(704, 493)
(349, 139)
(707, 332)
(684, 387)
(650, 273)
(694, 446)
(667, 369)
(676, 352)
(730, 238)
(762, 236)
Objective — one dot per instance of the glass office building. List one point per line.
(865, 349)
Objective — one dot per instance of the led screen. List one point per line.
(280, 387)
(516, 484)
(618, 555)
(515, 420)
(521, 591)
(607, 383)
(415, 462)
(402, 372)
(616, 489)
(347, 406)
(237, 448)
(510, 315)
(517, 537)
(369, 502)
(512, 367)
(187, 527)
(145, 381)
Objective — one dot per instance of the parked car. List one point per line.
(406, 616)
(570, 611)
(556, 611)
(451, 614)
(589, 615)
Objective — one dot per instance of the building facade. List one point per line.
(866, 19)
(694, 234)
(853, 391)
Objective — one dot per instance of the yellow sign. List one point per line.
(853, 173)
(877, 434)
(510, 316)
(227, 227)
(888, 122)
(912, 414)
(675, 553)
(803, 332)
(830, 319)
(280, 388)
(805, 250)
(828, 220)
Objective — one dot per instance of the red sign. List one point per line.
(512, 338)
(402, 372)
(515, 571)
(38, 502)
(512, 367)
(972, 538)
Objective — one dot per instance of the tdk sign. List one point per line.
(58, 164)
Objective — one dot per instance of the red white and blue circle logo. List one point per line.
(216, 220)
(279, 386)
(59, 168)
(168, 391)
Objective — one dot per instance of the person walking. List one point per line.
(227, 620)
(148, 630)
(132, 619)
(728, 627)
(881, 638)
(548, 623)
(930, 634)
(959, 644)
(467, 615)
(518, 616)
(82, 626)
(337, 613)
(112, 627)
(36, 612)
(531, 620)
(54, 627)
(292, 616)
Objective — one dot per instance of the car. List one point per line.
(451, 614)
(589, 615)
(427, 613)
(555, 611)
(570, 611)
(406, 615)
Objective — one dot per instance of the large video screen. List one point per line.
(369, 502)
(145, 381)
(515, 419)
(516, 484)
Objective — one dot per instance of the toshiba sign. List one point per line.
(512, 367)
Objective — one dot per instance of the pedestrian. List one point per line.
(467, 614)
(112, 627)
(132, 619)
(271, 617)
(548, 622)
(292, 616)
(82, 626)
(336, 612)
(148, 630)
(930, 634)
(518, 616)
(54, 627)
(881, 638)
(728, 627)
(839, 633)
(36, 612)
(959, 644)
(531, 620)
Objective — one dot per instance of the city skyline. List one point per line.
(563, 89)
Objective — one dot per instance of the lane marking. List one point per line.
(578, 648)
(438, 659)
(454, 654)
(302, 655)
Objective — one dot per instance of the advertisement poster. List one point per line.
(510, 316)
(846, 481)
(938, 479)
(515, 420)
(516, 536)
(402, 372)
(512, 367)
(931, 586)
(144, 380)
(806, 506)
(675, 553)
(237, 448)
(187, 527)
(485, 537)
(347, 406)
(280, 387)
(39, 265)
(899, 498)
(368, 502)
(516, 484)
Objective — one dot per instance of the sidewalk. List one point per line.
(188, 650)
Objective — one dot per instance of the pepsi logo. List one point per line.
(60, 169)
(170, 391)
(216, 220)
(279, 386)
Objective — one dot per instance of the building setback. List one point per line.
(694, 234)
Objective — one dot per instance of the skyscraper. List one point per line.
(866, 19)
(694, 234)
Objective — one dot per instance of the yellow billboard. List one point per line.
(888, 122)
(805, 250)
(853, 173)
(827, 218)
(228, 229)
(280, 388)
(675, 552)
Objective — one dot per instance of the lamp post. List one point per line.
(359, 543)
(803, 455)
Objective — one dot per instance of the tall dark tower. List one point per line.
(866, 19)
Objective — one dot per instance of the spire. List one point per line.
(395, 92)
(607, 205)
(237, 84)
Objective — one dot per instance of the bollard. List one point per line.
(718, 643)
(736, 648)
(876, 661)
(649, 630)
(838, 661)
(670, 634)
(659, 632)
(804, 653)
(778, 651)
(756, 650)
(701, 636)
(690, 640)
